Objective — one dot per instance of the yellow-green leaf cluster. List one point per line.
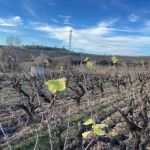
(86, 59)
(85, 134)
(114, 59)
(46, 61)
(56, 85)
(90, 65)
(61, 68)
(142, 62)
(90, 121)
(98, 129)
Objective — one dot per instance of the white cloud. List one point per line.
(66, 21)
(145, 11)
(52, 4)
(103, 38)
(35, 40)
(8, 31)
(33, 23)
(30, 10)
(66, 17)
(148, 23)
(133, 18)
(12, 21)
(54, 20)
(108, 23)
(146, 30)
(120, 4)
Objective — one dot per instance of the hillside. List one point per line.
(61, 54)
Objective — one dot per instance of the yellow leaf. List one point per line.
(85, 134)
(119, 75)
(98, 129)
(90, 65)
(90, 121)
(142, 62)
(56, 85)
(86, 59)
(61, 68)
(99, 126)
(46, 61)
(114, 59)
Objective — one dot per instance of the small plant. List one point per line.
(114, 59)
(89, 63)
(61, 68)
(97, 128)
(142, 62)
(56, 85)
(86, 59)
(77, 118)
(46, 62)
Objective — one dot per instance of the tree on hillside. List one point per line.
(12, 46)
(17, 41)
(13, 41)
(10, 41)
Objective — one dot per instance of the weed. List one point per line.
(77, 118)
(63, 95)
(4, 106)
(102, 108)
(107, 85)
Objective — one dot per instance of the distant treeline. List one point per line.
(40, 47)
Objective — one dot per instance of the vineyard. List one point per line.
(76, 108)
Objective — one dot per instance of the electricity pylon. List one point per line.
(70, 38)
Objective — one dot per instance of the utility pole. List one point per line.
(70, 38)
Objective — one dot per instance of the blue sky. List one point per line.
(99, 26)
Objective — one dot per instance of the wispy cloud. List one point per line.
(133, 18)
(54, 20)
(121, 5)
(144, 10)
(146, 29)
(8, 31)
(30, 10)
(108, 23)
(52, 4)
(12, 31)
(66, 17)
(148, 23)
(12, 21)
(32, 24)
(102, 38)
(66, 21)
(35, 40)
(109, 4)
